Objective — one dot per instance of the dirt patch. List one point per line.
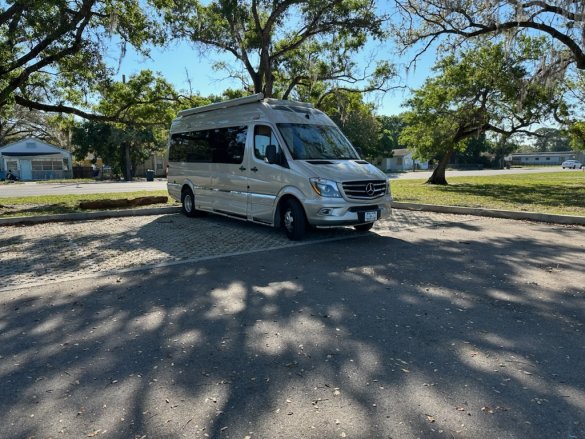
(125, 202)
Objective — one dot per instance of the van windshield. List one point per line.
(310, 142)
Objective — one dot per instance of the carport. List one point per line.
(32, 159)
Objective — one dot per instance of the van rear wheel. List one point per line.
(294, 220)
(188, 203)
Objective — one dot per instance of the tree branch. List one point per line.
(60, 108)
(13, 10)
(547, 7)
(83, 16)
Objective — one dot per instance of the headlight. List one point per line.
(325, 188)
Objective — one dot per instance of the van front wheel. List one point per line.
(188, 203)
(294, 220)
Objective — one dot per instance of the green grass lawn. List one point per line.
(557, 192)
(56, 204)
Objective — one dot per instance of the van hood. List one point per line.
(342, 170)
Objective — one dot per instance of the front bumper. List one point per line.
(331, 212)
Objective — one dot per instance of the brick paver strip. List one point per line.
(59, 251)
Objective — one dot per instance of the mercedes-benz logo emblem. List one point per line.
(370, 189)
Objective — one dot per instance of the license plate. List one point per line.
(370, 216)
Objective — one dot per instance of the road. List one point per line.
(431, 326)
(24, 189)
(482, 172)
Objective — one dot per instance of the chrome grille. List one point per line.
(365, 190)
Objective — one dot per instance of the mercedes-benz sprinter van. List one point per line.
(274, 162)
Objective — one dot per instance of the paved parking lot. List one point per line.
(432, 326)
(37, 254)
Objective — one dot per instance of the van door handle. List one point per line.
(254, 169)
(242, 168)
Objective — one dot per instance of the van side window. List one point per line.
(219, 145)
(190, 147)
(228, 144)
(266, 146)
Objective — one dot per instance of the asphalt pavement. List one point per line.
(431, 326)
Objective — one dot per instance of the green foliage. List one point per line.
(501, 146)
(577, 135)
(475, 146)
(144, 100)
(551, 140)
(52, 52)
(146, 105)
(355, 119)
(390, 129)
(105, 140)
(572, 113)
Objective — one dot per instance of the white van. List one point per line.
(274, 162)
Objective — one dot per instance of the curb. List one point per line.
(507, 214)
(84, 216)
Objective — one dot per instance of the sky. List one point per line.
(178, 60)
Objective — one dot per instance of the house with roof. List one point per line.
(402, 160)
(33, 159)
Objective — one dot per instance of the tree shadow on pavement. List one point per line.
(365, 338)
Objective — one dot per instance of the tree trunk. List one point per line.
(268, 85)
(127, 162)
(265, 69)
(258, 84)
(438, 175)
(501, 152)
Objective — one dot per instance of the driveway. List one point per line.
(432, 326)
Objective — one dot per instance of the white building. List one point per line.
(31, 159)
(544, 158)
(402, 160)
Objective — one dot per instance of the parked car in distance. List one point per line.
(572, 164)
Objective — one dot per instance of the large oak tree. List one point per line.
(486, 89)
(281, 44)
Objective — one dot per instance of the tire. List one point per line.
(188, 203)
(294, 220)
(364, 227)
